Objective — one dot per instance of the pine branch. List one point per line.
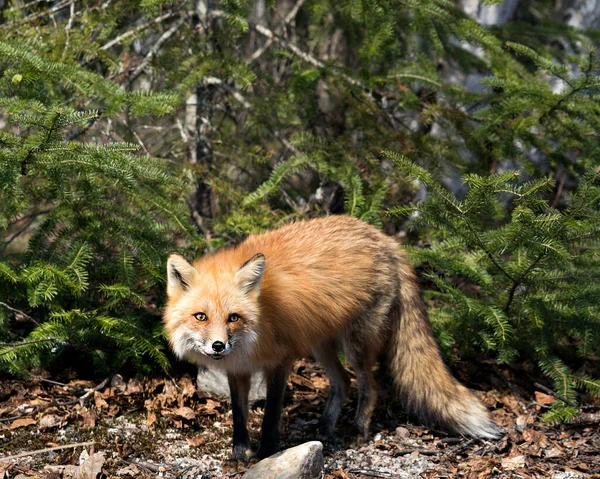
(14, 346)
(520, 280)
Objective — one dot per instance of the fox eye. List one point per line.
(234, 318)
(200, 316)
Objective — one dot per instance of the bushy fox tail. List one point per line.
(420, 374)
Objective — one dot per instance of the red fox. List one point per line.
(313, 287)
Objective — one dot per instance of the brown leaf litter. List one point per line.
(145, 427)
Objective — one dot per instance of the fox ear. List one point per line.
(251, 272)
(180, 274)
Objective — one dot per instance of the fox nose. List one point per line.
(218, 346)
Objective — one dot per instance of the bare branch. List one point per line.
(288, 18)
(246, 104)
(49, 12)
(18, 311)
(155, 49)
(68, 28)
(136, 30)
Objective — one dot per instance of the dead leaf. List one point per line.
(150, 419)
(402, 433)
(209, 409)
(90, 466)
(320, 382)
(554, 451)
(301, 381)
(196, 441)
(185, 412)
(23, 422)
(99, 400)
(134, 386)
(340, 474)
(168, 396)
(48, 421)
(130, 470)
(544, 399)
(113, 410)
(89, 418)
(512, 463)
(187, 387)
(536, 437)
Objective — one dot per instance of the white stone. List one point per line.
(214, 381)
(301, 462)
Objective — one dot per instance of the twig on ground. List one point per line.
(586, 418)
(48, 449)
(555, 394)
(367, 472)
(50, 381)
(81, 400)
(424, 452)
(12, 418)
(452, 440)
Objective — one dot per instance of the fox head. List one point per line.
(212, 309)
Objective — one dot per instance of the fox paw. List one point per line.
(240, 460)
(241, 453)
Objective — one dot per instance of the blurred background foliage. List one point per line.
(466, 129)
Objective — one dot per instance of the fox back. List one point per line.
(288, 290)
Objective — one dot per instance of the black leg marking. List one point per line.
(276, 382)
(239, 387)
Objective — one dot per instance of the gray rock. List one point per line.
(214, 381)
(301, 462)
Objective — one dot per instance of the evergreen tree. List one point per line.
(248, 114)
(84, 226)
(513, 275)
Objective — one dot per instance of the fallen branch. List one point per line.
(48, 449)
(12, 418)
(424, 452)
(586, 418)
(366, 472)
(556, 395)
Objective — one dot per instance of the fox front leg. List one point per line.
(276, 382)
(239, 387)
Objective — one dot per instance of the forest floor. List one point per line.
(132, 427)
